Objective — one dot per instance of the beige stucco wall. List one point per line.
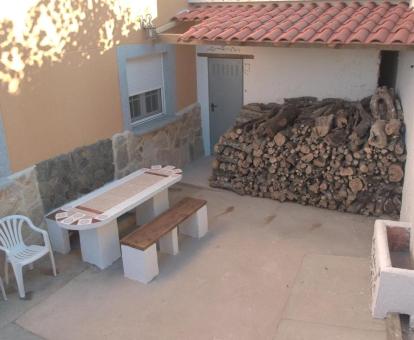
(65, 105)
(186, 78)
(76, 100)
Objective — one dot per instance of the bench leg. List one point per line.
(169, 242)
(100, 246)
(140, 265)
(59, 237)
(196, 225)
(151, 208)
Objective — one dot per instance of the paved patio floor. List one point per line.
(265, 270)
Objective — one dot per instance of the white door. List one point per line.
(226, 94)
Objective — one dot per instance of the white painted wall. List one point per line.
(405, 89)
(277, 73)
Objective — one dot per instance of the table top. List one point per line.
(114, 199)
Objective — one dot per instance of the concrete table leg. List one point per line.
(100, 246)
(151, 208)
(197, 225)
(161, 202)
(59, 237)
(140, 265)
(169, 242)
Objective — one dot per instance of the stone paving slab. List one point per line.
(261, 263)
(39, 284)
(333, 290)
(311, 229)
(299, 330)
(15, 332)
(209, 290)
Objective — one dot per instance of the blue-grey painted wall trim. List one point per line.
(126, 52)
(4, 154)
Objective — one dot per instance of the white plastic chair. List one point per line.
(3, 292)
(18, 254)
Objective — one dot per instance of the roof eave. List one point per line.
(176, 39)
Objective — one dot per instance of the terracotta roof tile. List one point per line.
(256, 35)
(388, 25)
(317, 25)
(241, 35)
(285, 25)
(399, 37)
(380, 36)
(308, 22)
(288, 35)
(409, 25)
(322, 36)
(227, 33)
(269, 25)
(359, 36)
(272, 35)
(341, 35)
(300, 26)
(306, 35)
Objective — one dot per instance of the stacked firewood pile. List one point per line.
(330, 153)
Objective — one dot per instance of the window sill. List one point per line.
(154, 124)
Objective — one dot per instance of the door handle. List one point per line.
(212, 107)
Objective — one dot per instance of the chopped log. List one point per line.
(346, 171)
(383, 95)
(389, 206)
(341, 119)
(319, 162)
(305, 149)
(308, 158)
(251, 112)
(377, 136)
(280, 139)
(399, 148)
(323, 125)
(365, 121)
(215, 164)
(399, 109)
(395, 173)
(356, 185)
(283, 118)
(337, 137)
(363, 168)
(392, 128)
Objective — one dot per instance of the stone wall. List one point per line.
(178, 143)
(66, 177)
(19, 195)
(54, 182)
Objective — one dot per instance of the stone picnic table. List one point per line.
(95, 214)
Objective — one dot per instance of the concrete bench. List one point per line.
(139, 249)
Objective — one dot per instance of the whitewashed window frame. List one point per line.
(153, 116)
